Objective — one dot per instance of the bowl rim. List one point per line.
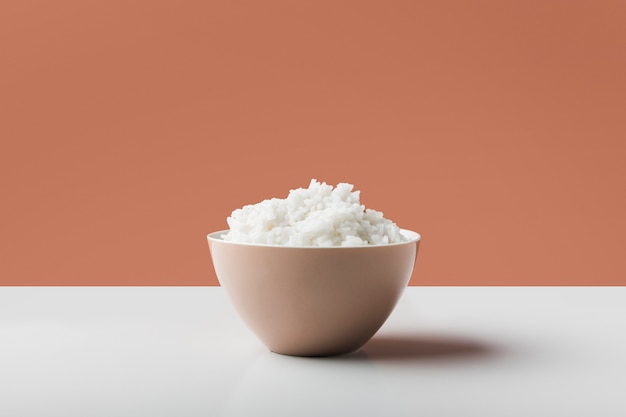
(412, 237)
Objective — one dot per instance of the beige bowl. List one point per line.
(313, 301)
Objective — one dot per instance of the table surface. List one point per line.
(183, 351)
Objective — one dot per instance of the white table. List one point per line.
(182, 351)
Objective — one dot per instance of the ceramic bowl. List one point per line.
(313, 301)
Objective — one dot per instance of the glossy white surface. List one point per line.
(182, 351)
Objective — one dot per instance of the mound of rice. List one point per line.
(316, 216)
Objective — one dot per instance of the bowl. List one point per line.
(313, 301)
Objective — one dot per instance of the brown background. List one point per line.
(130, 129)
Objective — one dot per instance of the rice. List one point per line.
(316, 216)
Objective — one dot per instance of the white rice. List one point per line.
(314, 216)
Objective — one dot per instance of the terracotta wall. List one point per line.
(130, 129)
